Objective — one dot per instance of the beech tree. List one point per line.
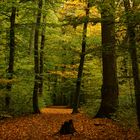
(36, 59)
(41, 64)
(109, 90)
(82, 59)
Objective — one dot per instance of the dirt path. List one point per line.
(43, 127)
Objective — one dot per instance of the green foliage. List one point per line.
(126, 113)
(63, 38)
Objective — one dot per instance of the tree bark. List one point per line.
(80, 69)
(36, 60)
(42, 56)
(133, 55)
(109, 91)
(10, 69)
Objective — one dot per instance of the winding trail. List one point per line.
(43, 127)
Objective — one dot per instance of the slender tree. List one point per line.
(10, 69)
(36, 59)
(133, 53)
(109, 90)
(82, 59)
(42, 56)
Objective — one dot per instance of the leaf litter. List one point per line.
(44, 126)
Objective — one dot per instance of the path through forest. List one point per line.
(43, 127)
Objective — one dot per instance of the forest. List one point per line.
(76, 55)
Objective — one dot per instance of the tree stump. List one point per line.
(67, 128)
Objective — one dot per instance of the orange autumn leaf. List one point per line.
(43, 127)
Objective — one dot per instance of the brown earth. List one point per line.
(44, 126)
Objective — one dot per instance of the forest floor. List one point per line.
(44, 126)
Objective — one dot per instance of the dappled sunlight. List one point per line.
(56, 111)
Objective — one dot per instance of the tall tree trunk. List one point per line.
(10, 69)
(42, 56)
(76, 96)
(133, 55)
(109, 91)
(36, 60)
